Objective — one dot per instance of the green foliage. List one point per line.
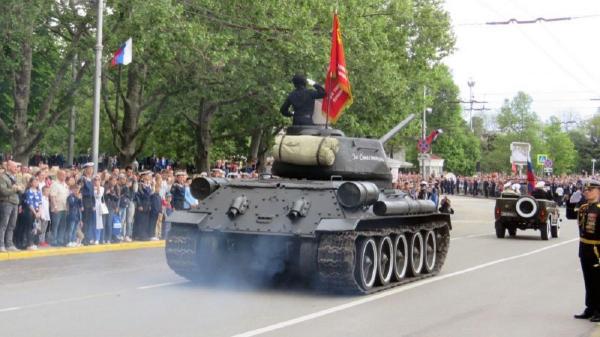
(518, 123)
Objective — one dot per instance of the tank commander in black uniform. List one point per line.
(589, 249)
(302, 100)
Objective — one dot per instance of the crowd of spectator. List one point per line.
(486, 185)
(43, 205)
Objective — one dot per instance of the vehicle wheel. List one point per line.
(430, 251)
(526, 207)
(555, 230)
(366, 263)
(415, 254)
(545, 230)
(385, 268)
(512, 232)
(400, 257)
(500, 230)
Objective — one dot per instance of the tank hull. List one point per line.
(299, 229)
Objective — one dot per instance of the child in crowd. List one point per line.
(44, 216)
(75, 207)
(167, 210)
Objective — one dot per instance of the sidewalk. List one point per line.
(45, 252)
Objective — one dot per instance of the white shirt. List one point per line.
(45, 208)
(59, 193)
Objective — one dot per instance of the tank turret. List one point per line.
(322, 154)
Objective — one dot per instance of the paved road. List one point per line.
(488, 287)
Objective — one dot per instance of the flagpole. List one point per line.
(118, 91)
(97, 78)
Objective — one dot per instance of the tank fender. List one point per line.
(335, 225)
(186, 217)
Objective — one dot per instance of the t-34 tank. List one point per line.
(328, 213)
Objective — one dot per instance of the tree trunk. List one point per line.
(255, 145)
(265, 144)
(206, 112)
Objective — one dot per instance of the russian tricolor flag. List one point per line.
(124, 54)
(530, 177)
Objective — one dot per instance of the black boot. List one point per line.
(586, 314)
(596, 317)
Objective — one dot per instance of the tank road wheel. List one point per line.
(430, 251)
(400, 257)
(385, 267)
(545, 230)
(415, 254)
(366, 263)
(500, 230)
(512, 232)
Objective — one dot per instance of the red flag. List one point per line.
(337, 84)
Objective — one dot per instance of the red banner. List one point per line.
(337, 84)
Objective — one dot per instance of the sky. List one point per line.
(557, 63)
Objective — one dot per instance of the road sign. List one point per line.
(548, 169)
(548, 163)
(541, 158)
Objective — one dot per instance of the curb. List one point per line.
(27, 254)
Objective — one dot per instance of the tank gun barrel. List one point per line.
(396, 129)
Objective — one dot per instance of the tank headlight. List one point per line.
(202, 187)
(352, 194)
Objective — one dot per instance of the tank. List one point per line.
(334, 220)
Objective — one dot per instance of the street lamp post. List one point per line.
(593, 167)
(471, 84)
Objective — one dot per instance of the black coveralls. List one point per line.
(589, 253)
(303, 102)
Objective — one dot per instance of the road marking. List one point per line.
(469, 236)
(88, 297)
(394, 291)
(10, 309)
(152, 286)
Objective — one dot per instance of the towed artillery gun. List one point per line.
(328, 213)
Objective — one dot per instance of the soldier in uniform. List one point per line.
(589, 249)
(178, 191)
(141, 225)
(302, 100)
(89, 202)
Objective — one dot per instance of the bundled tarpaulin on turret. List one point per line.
(337, 83)
(306, 150)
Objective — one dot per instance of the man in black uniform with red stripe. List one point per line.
(589, 249)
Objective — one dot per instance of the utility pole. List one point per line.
(97, 79)
(593, 167)
(471, 84)
(71, 151)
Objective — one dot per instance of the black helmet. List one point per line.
(299, 80)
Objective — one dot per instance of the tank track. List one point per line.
(181, 251)
(337, 255)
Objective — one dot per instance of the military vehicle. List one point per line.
(328, 213)
(537, 211)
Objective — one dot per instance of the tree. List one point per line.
(560, 147)
(40, 44)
